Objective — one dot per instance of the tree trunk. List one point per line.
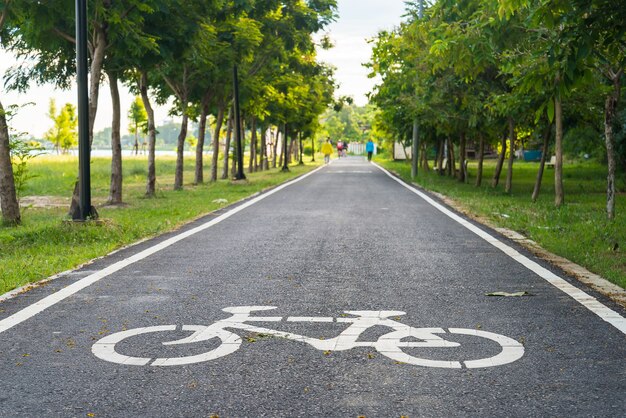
(313, 148)
(559, 195)
(286, 161)
(252, 164)
(264, 162)
(272, 149)
(8, 196)
(451, 163)
(462, 173)
(178, 178)
(440, 157)
(233, 162)
(291, 150)
(281, 147)
(542, 163)
(496, 174)
(229, 132)
(136, 144)
(151, 180)
(115, 189)
(509, 173)
(610, 110)
(216, 141)
(424, 158)
(481, 159)
(94, 88)
(204, 113)
(234, 165)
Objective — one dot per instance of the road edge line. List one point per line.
(51, 300)
(591, 303)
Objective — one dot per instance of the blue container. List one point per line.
(532, 155)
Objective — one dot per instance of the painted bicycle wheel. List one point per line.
(105, 348)
(391, 345)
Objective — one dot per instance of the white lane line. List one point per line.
(581, 297)
(64, 293)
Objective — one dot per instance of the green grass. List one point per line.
(578, 231)
(44, 245)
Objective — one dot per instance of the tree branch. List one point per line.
(5, 13)
(127, 11)
(171, 85)
(64, 35)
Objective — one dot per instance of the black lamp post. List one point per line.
(285, 156)
(239, 175)
(85, 209)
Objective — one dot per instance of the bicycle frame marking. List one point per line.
(389, 344)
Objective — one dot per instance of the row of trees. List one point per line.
(350, 123)
(503, 71)
(180, 49)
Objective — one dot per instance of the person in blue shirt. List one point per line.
(369, 147)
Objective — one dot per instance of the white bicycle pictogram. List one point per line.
(390, 344)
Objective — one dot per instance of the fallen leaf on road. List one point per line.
(507, 294)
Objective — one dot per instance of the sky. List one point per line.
(358, 21)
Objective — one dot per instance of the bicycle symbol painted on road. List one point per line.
(390, 344)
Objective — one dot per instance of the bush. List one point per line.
(22, 151)
(583, 142)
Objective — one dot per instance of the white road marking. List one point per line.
(350, 172)
(45, 303)
(389, 345)
(581, 297)
(310, 319)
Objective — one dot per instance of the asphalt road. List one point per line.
(346, 238)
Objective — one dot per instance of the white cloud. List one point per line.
(359, 21)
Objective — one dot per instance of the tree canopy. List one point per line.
(504, 71)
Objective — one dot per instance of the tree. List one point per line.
(8, 198)
(138, 121)
(64, 132)
(43, 35)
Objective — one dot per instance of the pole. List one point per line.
(285, 156)
(84, 175)
(239, 175)
(301, 153)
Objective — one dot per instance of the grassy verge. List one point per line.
(578, 231)
(44, 245)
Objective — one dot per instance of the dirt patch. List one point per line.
(44, 202)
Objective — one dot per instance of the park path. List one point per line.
(348, 237)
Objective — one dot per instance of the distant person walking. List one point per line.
(369, 148)
(339, 149)
(327, 149)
